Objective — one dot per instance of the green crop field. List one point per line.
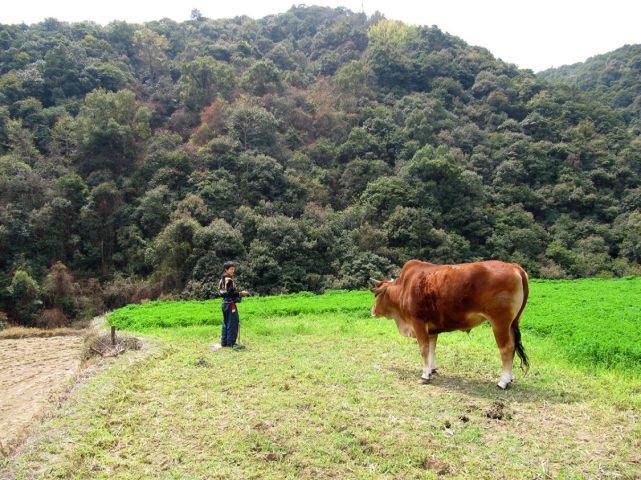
(326, 391)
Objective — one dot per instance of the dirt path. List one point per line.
(33, 371)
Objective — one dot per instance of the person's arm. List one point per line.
(231, 290)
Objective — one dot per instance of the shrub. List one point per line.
(58, 288)
(200, 289)
(25, 296)
(52, 318)
(100, 344)
(122, 291)
(88, 299)
(552, 271)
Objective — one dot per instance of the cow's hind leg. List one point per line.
(505, 342)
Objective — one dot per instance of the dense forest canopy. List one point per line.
(613, 78)
(318, 147)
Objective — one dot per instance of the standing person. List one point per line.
(227, 289)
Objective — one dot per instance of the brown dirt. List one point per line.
(33, 373)
(497, 411)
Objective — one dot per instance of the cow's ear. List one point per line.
(379, 290)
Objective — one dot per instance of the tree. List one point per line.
(383, 195)
(64, 137)
(154, 209)
(388, 54)
(202, 80)
(628, 228)
(262, 178)
(110, 76)
(445, 187)
(51, 225)
(254, 127)
(20, 142)
(110, 123)
(359, 143)
(261, 78)
(357, 269)
(358, 173)
(213, 119)
(214, 188)
(98, 217)
(25, 297)
(173, 249)
(196, 15)
(151, 49)
(277, 256)
(62, 75)
(58, 288)
(132, 255)
(354, 78)
(213, 245)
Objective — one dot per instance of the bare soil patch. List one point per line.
(33, 373)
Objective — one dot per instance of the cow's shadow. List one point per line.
(528, 388)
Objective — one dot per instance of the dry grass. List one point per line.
(27, 332)
(98, 343)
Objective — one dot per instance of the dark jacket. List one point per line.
(227, 289)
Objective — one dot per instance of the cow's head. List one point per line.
(386, 305)
(381, 307)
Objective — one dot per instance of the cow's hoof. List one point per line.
(435, 372)
(424, 381)
(502, 385)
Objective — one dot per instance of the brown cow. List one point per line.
(429, 299)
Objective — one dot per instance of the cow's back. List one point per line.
(459, 297)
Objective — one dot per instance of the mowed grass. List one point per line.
(325, 391)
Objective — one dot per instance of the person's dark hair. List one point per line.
(227, 265)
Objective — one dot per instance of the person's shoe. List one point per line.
(216, 346)
(238, 346)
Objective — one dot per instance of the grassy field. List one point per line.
(325, 391)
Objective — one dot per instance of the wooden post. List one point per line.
(113, 336)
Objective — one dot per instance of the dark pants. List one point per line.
(230, 325)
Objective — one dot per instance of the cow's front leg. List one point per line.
(432, 353)
(420, 331)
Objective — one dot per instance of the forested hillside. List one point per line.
(318, 147)
(613, 78)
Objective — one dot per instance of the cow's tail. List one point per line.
(525, 364)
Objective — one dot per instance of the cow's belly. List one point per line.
(458, 322)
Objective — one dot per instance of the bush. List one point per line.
(356, 270)
(25, 296)
(100, 344)
(200, 289)
(88, 300)
(552, 271)
(52, 318)
(58, 288)
(122, 291)
(4, 324)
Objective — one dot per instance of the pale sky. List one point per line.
(535, 34)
